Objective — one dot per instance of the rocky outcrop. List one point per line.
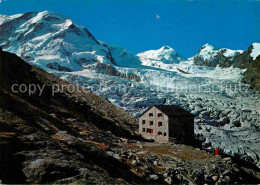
(252, 74)
(110, 70)
(212, 57)
(58, 67)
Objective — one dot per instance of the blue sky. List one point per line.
(183, 25)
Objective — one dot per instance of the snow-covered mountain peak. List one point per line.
(52, 17)
(208, 46)
(47, 16)
(166, 48)
(207, 51)
(212, 56)
(164, 55)
(166, 52)
(51, 40)
(40, 16)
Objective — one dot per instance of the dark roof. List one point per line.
(171, 110)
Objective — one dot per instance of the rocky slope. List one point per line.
(44, 138)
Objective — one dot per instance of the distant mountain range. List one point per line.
(54, 41)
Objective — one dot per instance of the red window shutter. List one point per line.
(151, 131)
(147, 130)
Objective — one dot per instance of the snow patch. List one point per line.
(231, 53)
(255, 51)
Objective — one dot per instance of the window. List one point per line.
(159, 115)
(164, 134)
(150, 114)
(150, 131)
(159, 133)
(143, 129)
(151, 122)
(143, 121)
(159, 124)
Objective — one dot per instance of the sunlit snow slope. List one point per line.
(51, 40)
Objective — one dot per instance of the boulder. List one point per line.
(215, 178)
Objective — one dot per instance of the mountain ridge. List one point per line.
(46, 37)
(248, 59)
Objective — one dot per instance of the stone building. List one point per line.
(164, 123)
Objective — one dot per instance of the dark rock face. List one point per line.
(58, 67)
(110, 70)
(252, 74)
(219, 59)
(216, 57)
(243, 60)
(239, 60)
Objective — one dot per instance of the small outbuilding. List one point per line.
(164, 123)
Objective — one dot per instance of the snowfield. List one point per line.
(227, 111)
